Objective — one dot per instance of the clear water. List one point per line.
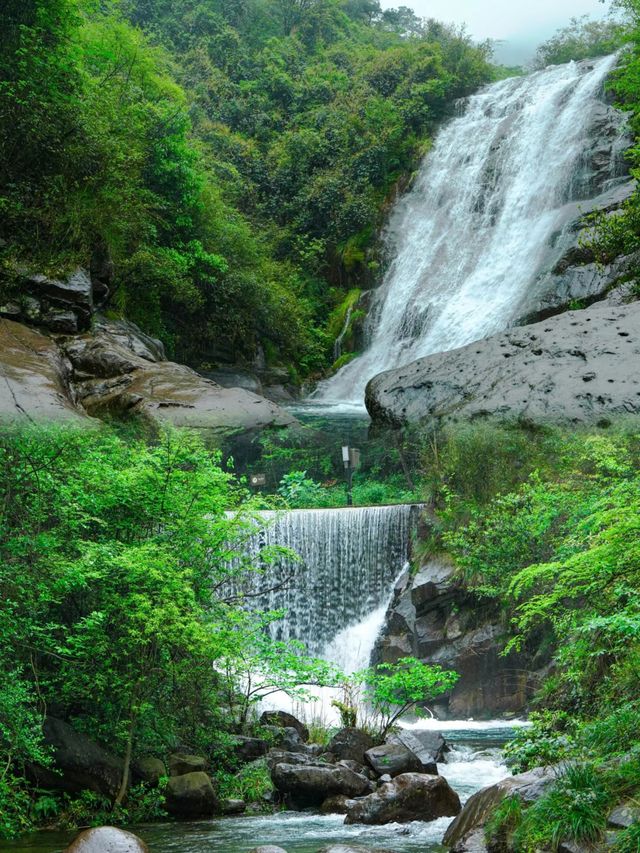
(474, 762)
(490, 213)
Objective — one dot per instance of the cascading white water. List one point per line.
(484, 220)
(348, 561)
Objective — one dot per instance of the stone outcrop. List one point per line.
(435, 618)
(582, 367)
(191, 796)
(528, 786)
(409, 797)
(64, 305)
(311, 785)
(34, 377)
(285, 721)
(116, 370)
(107, 839)
(350, 744)
(78, 763)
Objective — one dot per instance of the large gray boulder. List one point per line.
(350, 744)
(394, 759)
(528, 786)
(191, 796)
(582, 367)
(285, 721)
(311, 785)
(149, 770)
(78, 762)
(352, 848)
(409, 797)
(62, 305)
(107, 839)
(181, 763)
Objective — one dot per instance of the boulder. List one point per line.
(232, 807)
(79, 763)
(247, 749)
(339, 804)
(35, 377)
(311, 785)
(285, 720)
(528, 786)
(473, 842)
(191, 796)
(428, 746)
(61, 305)
(107, 839)
(180, 764)
(581, 367)
(624, 815)
(408, 797)
(394, 759)
(286, 738)
(149, 770)
(350, 744)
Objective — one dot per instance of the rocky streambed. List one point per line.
(473, 760)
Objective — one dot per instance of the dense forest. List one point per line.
(228, 163)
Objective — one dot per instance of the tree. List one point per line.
(581, 39)
(390, 691)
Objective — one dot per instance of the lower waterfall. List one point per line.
(348, 561)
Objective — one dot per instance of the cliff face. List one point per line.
(435, 618)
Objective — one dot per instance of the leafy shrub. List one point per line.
(628, 841)
(250, 784)
(549, 740)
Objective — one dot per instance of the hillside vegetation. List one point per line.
(227, 163)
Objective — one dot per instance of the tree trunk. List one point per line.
(124, 784)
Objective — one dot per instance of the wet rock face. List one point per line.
(311, 785)
(64, 306)
(435, 618)
(36, 377)
(180, 764)
(82, 764)
(149, 770)
(582, 367)
(285, 721)
(394, 759)
(409, 797)
(107, 839)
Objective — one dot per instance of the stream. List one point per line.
(474, 762)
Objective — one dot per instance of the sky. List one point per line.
(521, 24)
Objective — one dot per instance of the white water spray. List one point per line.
(485, 219)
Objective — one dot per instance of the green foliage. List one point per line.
(300, 491)
(574, 810)
(250, 784)
(110, 550)
(392, 690)
(628, 841)
(582, 39)
(549, 741)
(230, 160)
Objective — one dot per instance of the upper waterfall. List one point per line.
(488, 216)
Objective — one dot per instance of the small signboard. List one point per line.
(258, 480)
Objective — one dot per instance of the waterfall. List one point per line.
(490, 213)
(349, 559)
